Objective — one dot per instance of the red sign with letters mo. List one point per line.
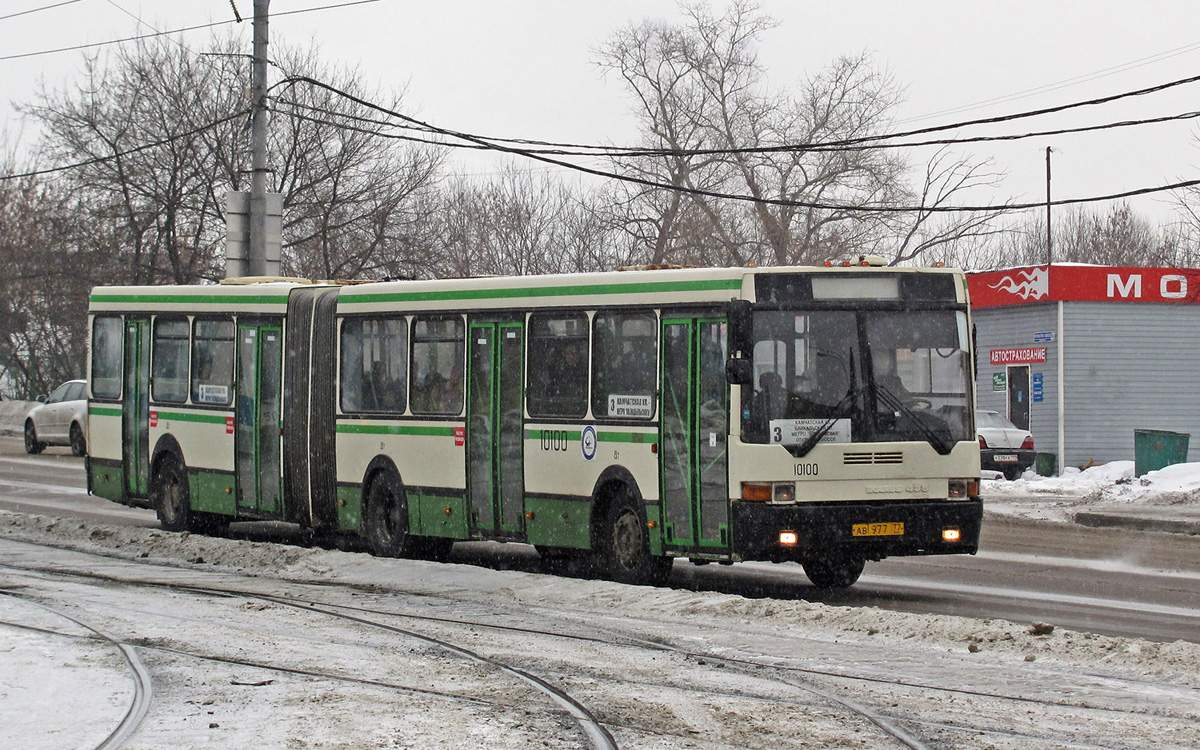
(1018, 356)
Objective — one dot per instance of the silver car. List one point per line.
(60, 419)
(1003, 446)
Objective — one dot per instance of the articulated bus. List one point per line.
(818, 415)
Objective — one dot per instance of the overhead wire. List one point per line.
(996, 208)
(38, 10)
(211, 25)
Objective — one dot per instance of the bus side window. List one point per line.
(170, 357)
(374, 365)
(437, 365)
(558, 356)
(212, 362)
(624, 365)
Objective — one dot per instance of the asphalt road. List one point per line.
(1108, 581)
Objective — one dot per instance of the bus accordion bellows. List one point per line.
(818, 415)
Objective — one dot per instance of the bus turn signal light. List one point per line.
(788, 538)
(951, 535)
(757, 492)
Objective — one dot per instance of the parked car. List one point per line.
(60, 419)
(1003, 446)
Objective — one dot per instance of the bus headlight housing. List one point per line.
(769, 492)
(961, 489)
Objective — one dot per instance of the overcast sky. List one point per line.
(526, 68)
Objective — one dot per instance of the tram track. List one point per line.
(139, 704)
(895, 727)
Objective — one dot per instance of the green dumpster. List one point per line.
(1156, 449)
(1045, 464)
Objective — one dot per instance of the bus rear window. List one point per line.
(106, 356)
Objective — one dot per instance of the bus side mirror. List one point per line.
(740, 333)
(739, 371)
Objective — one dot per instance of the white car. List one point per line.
(60, 419)
(1003, 446)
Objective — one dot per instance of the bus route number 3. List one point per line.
(806, 470)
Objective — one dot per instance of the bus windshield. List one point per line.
(843, 376)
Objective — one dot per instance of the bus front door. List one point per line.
(258, 430)
(495, 428)
(694, 432)
(135, 416)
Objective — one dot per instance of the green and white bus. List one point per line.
(819, 415)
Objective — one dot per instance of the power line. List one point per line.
(38, 10)
(842, 144)
(753, 199)
(198, 27)
(1058, 85)
(631, 152)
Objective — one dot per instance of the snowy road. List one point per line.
(232, 666)
(1105, 581)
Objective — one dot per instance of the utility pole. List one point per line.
(257, 255)
(1049, 251)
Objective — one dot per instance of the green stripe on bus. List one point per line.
(643, 287)
(104, 411)
(394, 429)
(186, 416)
(196, 299)
(603, 437)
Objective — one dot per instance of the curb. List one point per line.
(1110, 520)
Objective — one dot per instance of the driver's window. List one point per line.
(59, 394)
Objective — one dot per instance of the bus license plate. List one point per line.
(891, 528)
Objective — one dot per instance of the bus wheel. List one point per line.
(625, 548)
(834, 573)
(387, 517)
(171, 496)
(78, 443)
(32, 446)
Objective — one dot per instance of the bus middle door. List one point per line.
(495, 428)
(694, 434)
(257, 434)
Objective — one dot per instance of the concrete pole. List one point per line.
(256, 260)
(1049, 250)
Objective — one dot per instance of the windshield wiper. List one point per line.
(893, 402)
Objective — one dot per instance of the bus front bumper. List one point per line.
(867, 530)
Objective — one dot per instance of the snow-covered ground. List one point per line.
(1110, 486)
(956, 681)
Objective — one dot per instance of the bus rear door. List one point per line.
(694, 433)
(135, 416)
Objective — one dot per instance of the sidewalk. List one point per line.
(12, 416)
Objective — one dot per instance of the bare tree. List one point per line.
(699, 88)
(520, 223)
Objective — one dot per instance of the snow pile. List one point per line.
(1110, 485)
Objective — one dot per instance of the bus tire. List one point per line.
(171, 502)
(32, 446)
(386, 518)
(625, 546)
(835, 572)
